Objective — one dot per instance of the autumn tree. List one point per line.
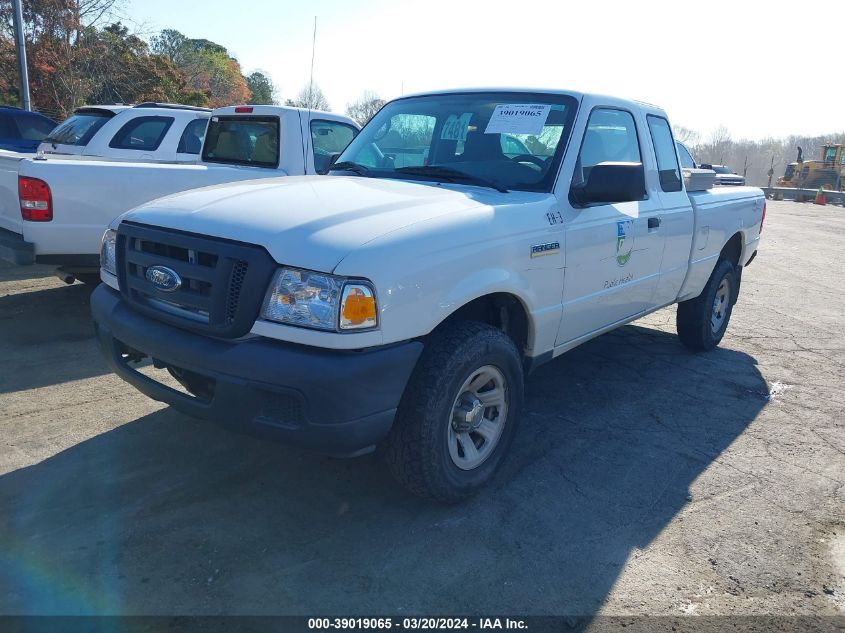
(311, 96)
(363, 109)
(206, 66)
(76, 56)
(57, 34)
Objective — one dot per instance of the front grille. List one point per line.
(222, 282)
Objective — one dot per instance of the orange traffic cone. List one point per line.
(820, 199)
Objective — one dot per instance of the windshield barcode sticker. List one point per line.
(518, 118)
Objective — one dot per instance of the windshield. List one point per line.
(720, 169)
(80, 128)
(242, 140)
(510, 140)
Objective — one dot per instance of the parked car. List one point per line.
(725, 175)
(401, 307)
(22, 130)
(54, 209)
(146, 132)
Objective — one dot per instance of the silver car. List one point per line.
(725, 175)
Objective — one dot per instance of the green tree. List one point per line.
(261, 87)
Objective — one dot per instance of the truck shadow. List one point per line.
(170, 515)
(48, 337)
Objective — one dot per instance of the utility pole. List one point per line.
(311, 78)
(19, 40)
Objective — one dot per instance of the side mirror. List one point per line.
(333, 158)
(610, 182)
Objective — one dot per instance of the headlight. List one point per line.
(108, 262)
(318, 300)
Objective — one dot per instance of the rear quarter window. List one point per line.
(143, 134)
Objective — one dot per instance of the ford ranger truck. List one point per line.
(462, 239)
(54, 209)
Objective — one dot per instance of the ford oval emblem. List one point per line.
(163, 278)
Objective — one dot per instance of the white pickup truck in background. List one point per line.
(145, 132)
(54, 209)
(400, 300)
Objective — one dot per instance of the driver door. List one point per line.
(613, 251)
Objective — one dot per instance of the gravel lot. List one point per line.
(646, 479)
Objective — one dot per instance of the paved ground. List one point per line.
(646, 479)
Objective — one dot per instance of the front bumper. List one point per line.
(14, 249)
(336, 402)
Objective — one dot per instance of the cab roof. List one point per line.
(580, 96)
(278, 110)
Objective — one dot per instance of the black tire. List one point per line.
(695, 328)
(417, 449)
(89, 279)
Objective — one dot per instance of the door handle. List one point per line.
(653, 223)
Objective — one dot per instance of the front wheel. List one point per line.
(458, 414)
(702, 322)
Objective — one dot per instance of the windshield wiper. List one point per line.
(451, 175)
(348, 165)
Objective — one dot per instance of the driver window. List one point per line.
(611, 136)
(327, 138)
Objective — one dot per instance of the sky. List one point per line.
(759, 69)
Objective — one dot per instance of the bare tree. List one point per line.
(311, 96)
(717, 146)
(363, 109)
(686, 136)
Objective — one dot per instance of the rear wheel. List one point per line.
(459, 413)
(702, 322)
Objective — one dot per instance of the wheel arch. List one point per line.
(503, 310)
(732, 250)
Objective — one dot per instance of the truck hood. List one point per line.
(311, 221)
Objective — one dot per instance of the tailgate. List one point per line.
(88, 195)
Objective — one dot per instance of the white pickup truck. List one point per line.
(54, 209)
(400, 301)
(147, 132)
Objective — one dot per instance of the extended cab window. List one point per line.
(191, 140)
(144, 133)
(80, 128)
(242, 140)
(664, 149)
(503, 140)
(687, 161)
(327, 138)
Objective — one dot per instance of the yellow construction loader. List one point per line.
(828, 172)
